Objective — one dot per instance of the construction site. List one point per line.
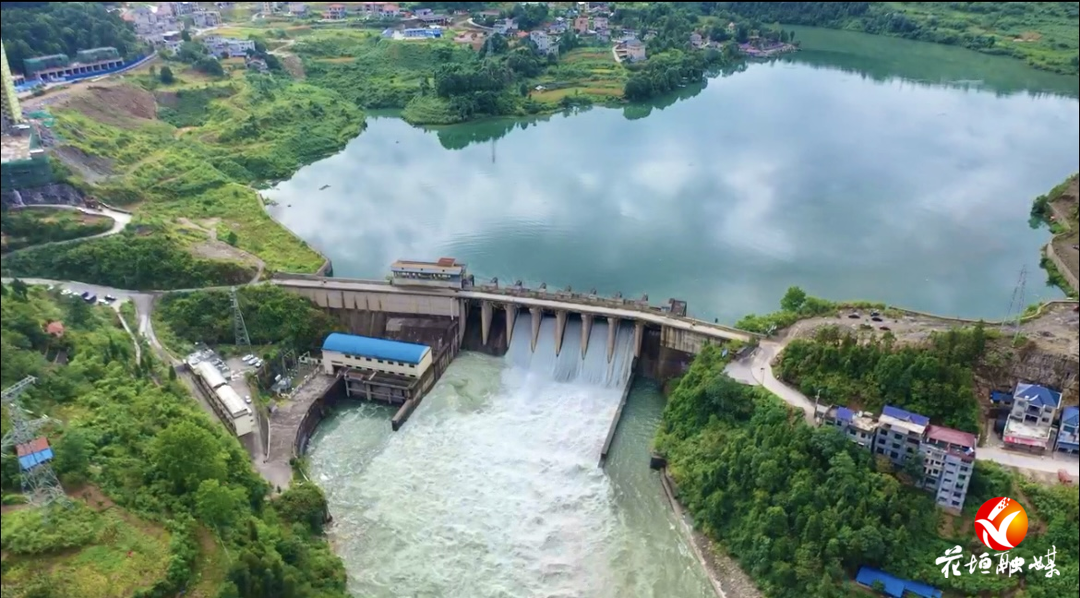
(23, 162)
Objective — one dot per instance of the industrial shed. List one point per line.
(375, 354)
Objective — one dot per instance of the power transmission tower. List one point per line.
(1017, 305)
(39, 481)
(239, 328)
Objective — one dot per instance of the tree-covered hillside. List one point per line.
(801, 509)
(1044, 34)
(166, 502)
(42, 28)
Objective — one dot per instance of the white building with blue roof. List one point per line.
(351, 351)
(1031, 419)
(1068, 441)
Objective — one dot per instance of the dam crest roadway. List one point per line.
(677, 331)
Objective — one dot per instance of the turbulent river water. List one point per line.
(493, 487)
(860, 167)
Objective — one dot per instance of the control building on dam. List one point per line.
(439, 305)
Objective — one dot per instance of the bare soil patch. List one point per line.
(92, 168)
(115, 105)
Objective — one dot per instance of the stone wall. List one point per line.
(48, 195)
(1061, 267)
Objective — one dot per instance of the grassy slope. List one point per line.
(25, 228)
(246, 130)
(124, 553)
(1044, 34)
(387, 74)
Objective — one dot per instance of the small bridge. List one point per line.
(677, 331)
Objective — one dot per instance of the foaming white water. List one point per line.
(492, 488)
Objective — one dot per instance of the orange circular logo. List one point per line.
(1001, 523)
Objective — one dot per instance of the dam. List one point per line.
(492, 489)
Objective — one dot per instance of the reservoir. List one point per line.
(859, 168)
(911, 188)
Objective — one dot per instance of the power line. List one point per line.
(1017, 305)
(39, 481)
(239, 328)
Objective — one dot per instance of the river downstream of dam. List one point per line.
(492, 490)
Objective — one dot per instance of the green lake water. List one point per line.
(861, 167)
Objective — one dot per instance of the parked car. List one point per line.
(110, 298)
(247, 399)
(885, 328)
(85, 295)
(876, 319)
(90, 298)
(854, 316)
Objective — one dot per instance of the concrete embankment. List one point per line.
(618, 413)
(726, 577)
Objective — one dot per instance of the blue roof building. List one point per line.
(906, 416)
(1000, 397)
(894, 586)
(1068, 439)
(1036, 395)
(352, 351)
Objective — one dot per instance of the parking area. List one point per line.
(88, 296)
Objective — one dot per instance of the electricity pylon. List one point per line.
(39, 481)
(239, 328)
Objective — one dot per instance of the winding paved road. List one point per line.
(757, 370)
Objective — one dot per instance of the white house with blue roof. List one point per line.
(1031, 419)
(1067, 440)
(351, 351)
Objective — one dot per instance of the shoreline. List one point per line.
(725, 575)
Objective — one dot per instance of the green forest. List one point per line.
(33, 29)
(801, 508)
(26, 228)
(165, 502)
(273, 317)
(935, 380)
(1044, 34)
(129, 260)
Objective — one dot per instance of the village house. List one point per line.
(581, 25)
(858, 426)
(256, 64)
(635, 50)
(695, 40)
(1068, 441)
(545, 44)
(1031, 418)
(269, 8)
(55, 329)
(557, 27)
(205, 19)
(380, 10)
(505, 26)
(334, 12)
(599, 23)
(298, 9)
(227, 47)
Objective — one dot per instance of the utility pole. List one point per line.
(39, 481)
(239, 328)
(1016, 305)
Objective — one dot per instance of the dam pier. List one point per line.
(435, 310)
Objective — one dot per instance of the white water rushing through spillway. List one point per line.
(492, 488)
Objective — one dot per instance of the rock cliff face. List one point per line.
(1004, 368)
(50, 195)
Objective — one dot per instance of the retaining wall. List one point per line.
(1062, 268)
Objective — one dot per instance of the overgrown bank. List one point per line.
(802, 508)
(190, 515)
(1058, 209)
(192, 187)
(1046, 35)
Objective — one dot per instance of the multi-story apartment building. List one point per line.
(899, 434)
(858, 426)
(948, 463)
